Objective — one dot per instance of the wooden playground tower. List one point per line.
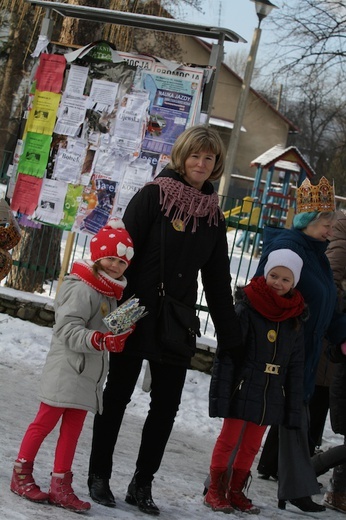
(274, 202)
(279, 171)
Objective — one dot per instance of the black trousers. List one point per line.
(166, 389)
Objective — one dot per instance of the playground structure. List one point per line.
(274, 204)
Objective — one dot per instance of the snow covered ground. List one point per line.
(178, 485)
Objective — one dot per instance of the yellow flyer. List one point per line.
(42, 115)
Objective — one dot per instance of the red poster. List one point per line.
(26, 194)
(50, 73)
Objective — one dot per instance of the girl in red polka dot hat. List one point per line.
(77, 364)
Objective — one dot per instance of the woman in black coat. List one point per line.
(178, 215)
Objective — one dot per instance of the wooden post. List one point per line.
(66, 259)
(289, 217)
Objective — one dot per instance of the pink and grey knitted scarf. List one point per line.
(188, 202)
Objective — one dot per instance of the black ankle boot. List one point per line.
(140, 496)
(267, 476)
(100, 492)
(307, 505)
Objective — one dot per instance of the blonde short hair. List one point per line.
(196, 139)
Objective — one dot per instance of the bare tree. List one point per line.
(237, 61)
(320, 115)
(310, 35)
(15, 67)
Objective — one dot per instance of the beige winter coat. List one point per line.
(74, 372)
(336, 253)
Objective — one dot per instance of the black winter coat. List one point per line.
(186, 254)
(319, 292)
(337, 398)
(268, 384)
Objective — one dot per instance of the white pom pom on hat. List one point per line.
(115, 223)
(112, 241)
(284, 258)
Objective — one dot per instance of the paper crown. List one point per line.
(315, 198)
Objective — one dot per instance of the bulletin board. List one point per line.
(98, 125)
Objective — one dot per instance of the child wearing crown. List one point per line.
(77, 364)
(312, 228)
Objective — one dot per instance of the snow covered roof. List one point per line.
(289, 159)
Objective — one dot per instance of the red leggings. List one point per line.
(72, 421)
(246, 436)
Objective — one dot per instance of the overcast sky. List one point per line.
(238, 15)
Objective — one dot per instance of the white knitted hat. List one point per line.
(284, 258)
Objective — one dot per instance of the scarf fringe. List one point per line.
(187, 203)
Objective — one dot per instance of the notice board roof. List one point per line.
(155, 23)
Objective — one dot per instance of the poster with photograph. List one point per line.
(96, 205)
(51, 202)
(174, 100)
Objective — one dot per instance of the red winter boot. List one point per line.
(236, 496)
(61, 493)
(216, 495)
(23, 483)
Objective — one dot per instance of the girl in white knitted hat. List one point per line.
(266, 387)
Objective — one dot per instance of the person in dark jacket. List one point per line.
(319, 402)
(268, 383)
(312, 227)
(335, 497)
(183, 199)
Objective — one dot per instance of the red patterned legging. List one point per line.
(72, 420)
(243, 435)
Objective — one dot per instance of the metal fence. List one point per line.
(244, 240)
(244, 220)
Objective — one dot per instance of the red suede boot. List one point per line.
(236, 496)
(216, 495)
(61, 493)
(23, 483)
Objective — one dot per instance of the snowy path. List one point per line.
(178, 485)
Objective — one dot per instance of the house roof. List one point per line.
(289, 159)
(292, 127)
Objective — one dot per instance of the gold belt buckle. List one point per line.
(272, 369)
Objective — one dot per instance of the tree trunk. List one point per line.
(21, 21)
(81, 32)
(36, 259)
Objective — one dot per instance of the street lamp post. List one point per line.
(263, 8)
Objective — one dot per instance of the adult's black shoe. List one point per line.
(100, 492)
(140, 496)
(305, 504)
(267, 476)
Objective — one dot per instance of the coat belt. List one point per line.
(272, 369)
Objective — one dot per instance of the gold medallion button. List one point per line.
(178, 225)
(271, 335)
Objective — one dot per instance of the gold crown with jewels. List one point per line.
(315, 198)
